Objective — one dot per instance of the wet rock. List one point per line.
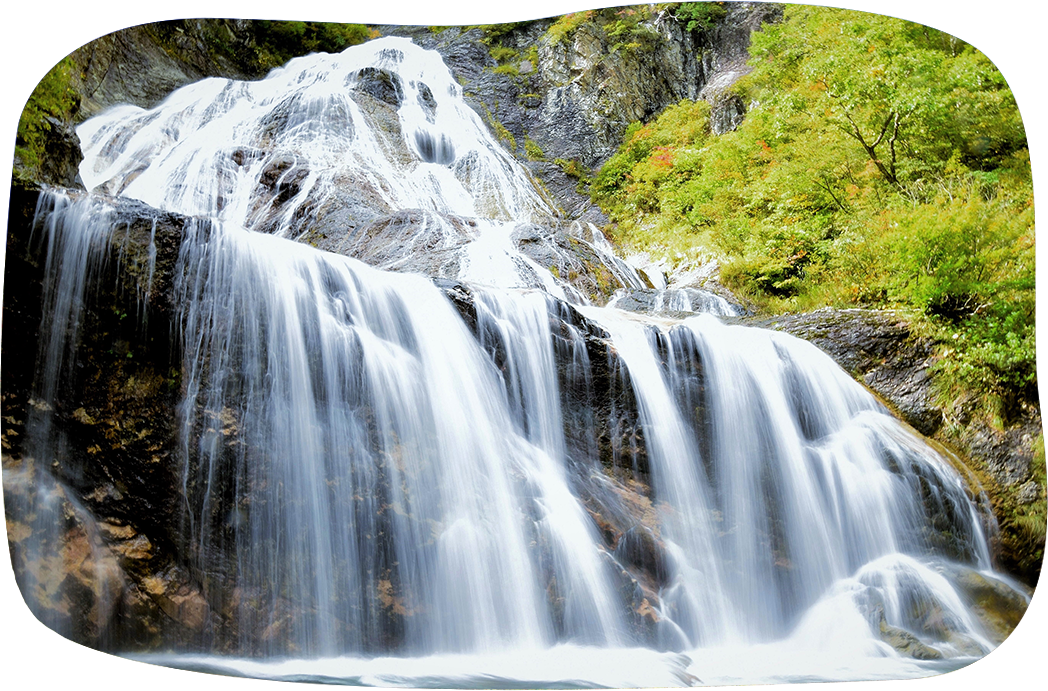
(143, 64)
(638, 547)
(381, 85)
(640, 601)
(282, 179)
(997, 605)
(570, 256)
(877, 347)
(1005, 455)
(726, 114)
(178, 599)
(412, 241)
(426, 100)
(725, 60)
(67, 577)
(905, 643)
(245, 155)
(676, 302)
(61, 164)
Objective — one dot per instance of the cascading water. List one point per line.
(366, 474)
(785, 478)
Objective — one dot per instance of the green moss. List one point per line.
(53, 99)
(566, 25)
(624, 26)
(499, 130)
(576, 171)
(533, 151)
(696, 16)
(503, 53)
(1022, 526)
(511, 69)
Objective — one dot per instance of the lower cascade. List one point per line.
(389, 477)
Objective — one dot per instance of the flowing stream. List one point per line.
(379, 492)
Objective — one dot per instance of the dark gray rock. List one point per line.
(115, 469)
(1028, 493)
(725, 60)
(1007, 456)
(382, 85)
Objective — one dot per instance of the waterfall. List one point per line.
(784, 479)
(366, 473)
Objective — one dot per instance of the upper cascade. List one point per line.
(383, 124)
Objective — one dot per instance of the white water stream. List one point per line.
(390, 483)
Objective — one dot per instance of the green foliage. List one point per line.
(697, 16)
(508, 59)
(565, 26)
(502, 53)
(576, 171)
(533, 151)
(623, 26)
(493, 33)
(279, 41)
(885, 165)
(510, 68)
(53, 99)
(499, 130)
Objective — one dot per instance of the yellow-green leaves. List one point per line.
(881, 163)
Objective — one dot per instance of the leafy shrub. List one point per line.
(565, 25)
(533, 151)
(697, 16)
(279, 41)
(502, 53)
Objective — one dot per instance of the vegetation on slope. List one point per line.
(279, 41)
(882, 164)
(53, 102)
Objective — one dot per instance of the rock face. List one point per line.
(143, 64)
(110, 571)
(575, 96)
(880, 349)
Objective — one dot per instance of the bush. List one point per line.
(698, 16)
(279, 41)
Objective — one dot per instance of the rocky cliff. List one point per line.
(573, 95)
